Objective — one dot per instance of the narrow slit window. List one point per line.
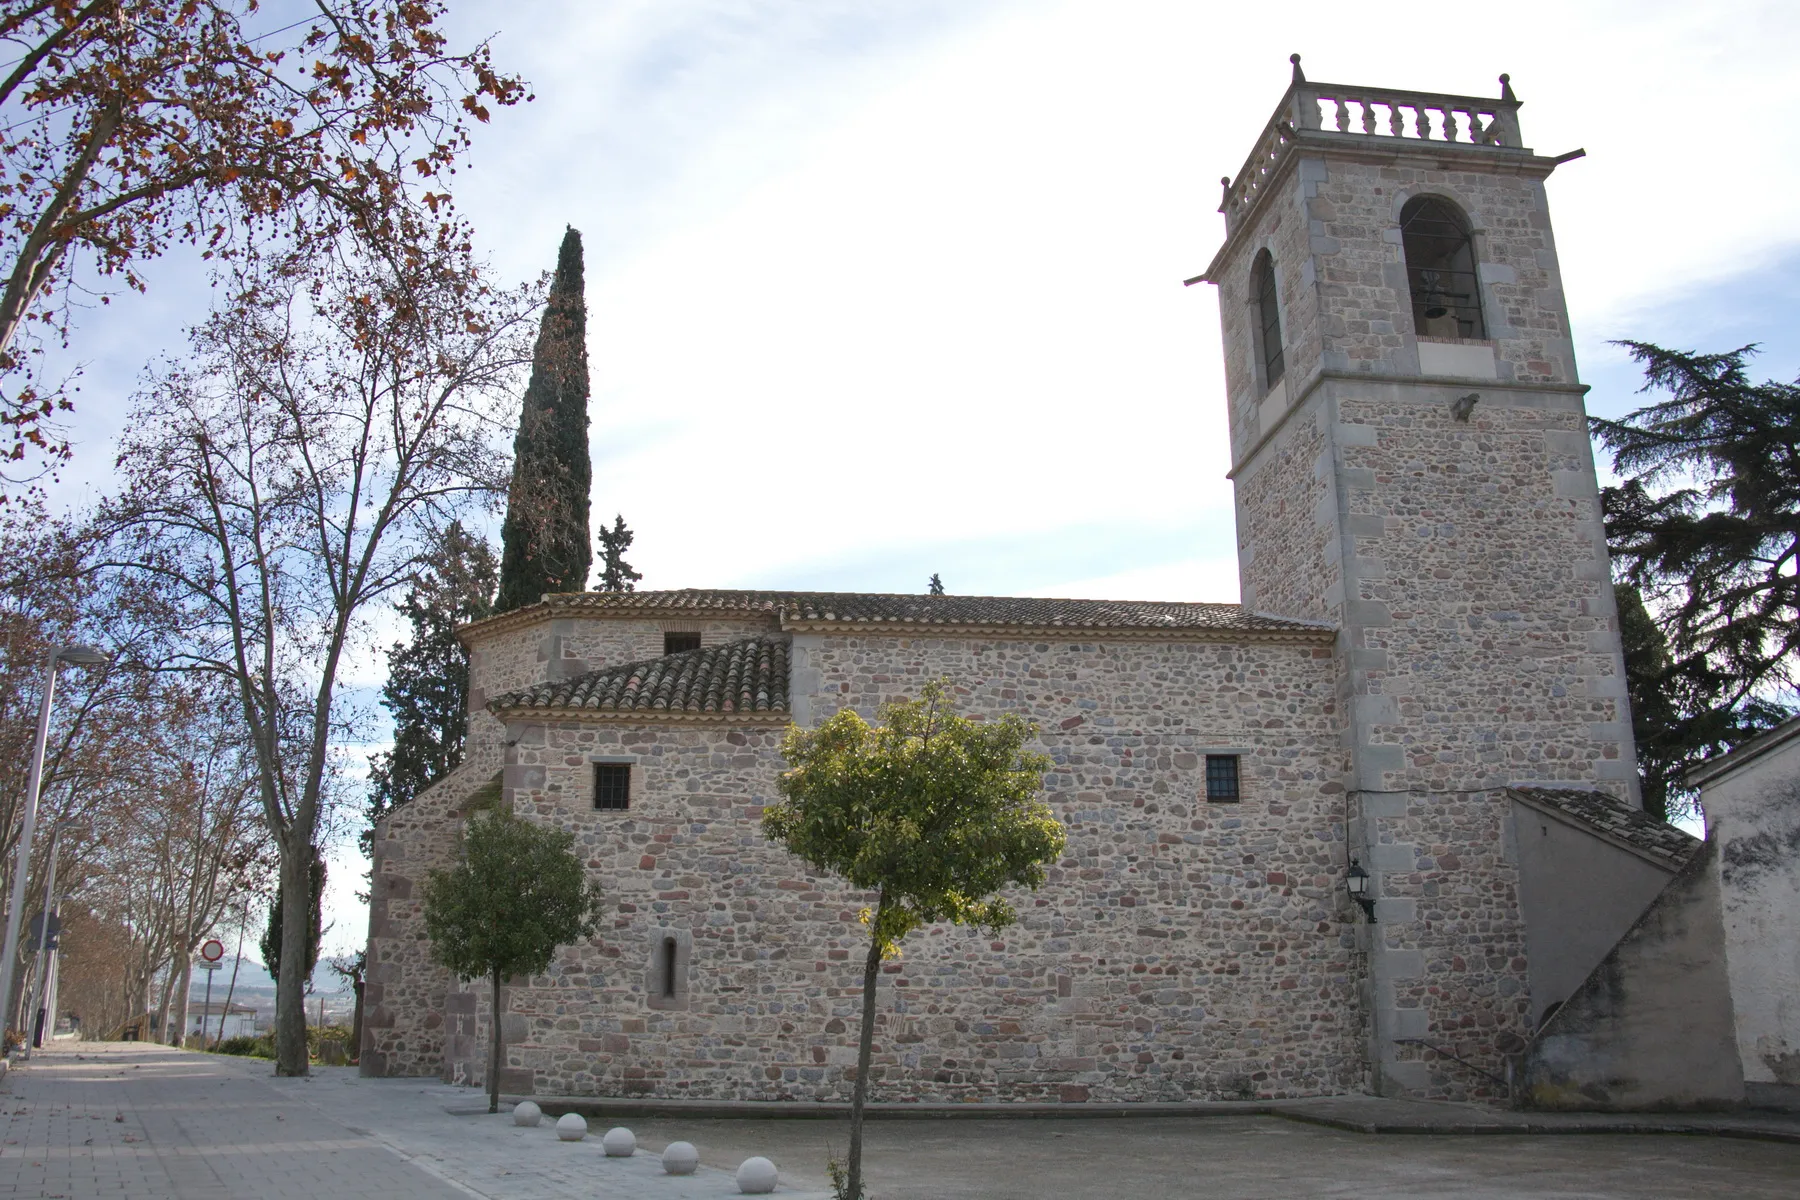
(1222, 778)
(675, 643)
(612, 786)
(669, 956)
(1268, 321)
(1440, 269)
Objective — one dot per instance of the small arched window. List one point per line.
(669, 955)
(666, 974)
(1440, 267)
(1268, 319)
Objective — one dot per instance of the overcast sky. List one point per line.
(879, 288)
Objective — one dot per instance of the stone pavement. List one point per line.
(134, 1120)
(143, 1121)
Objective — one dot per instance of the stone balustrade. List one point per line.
(1336, 111)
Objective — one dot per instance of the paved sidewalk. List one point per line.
(143, 1121)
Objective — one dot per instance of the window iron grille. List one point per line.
(612, 786)
(1222, 778)
(1268, 313)
(1440, 270)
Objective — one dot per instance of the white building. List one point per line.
(239, 1020)
(1752, 802)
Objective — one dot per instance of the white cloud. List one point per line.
(867, 279)
(882, 297)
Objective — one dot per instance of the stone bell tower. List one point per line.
(1411, 462)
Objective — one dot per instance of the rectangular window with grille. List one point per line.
(612, 786)
(1222, 778)
(675, 643)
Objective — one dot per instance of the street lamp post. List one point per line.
(46, 953)
(85, 656)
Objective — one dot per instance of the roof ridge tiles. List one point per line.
(914, 609)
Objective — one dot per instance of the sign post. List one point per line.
(210, 954)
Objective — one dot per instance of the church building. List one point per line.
(1421, 695)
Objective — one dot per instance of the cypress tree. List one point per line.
(545, 545)
(271, 938)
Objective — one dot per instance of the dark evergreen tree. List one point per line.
(937, 585)
(427, 689)
(544, 542)
(616, 574)
(1656, 723)
(1704, 532)
(271, 938)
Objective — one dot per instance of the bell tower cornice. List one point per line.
(1373, 125)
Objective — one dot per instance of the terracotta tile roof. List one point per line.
(738, 678)
(1613, 816)
(862, 608)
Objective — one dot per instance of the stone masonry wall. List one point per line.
(1753, 815)
(1180, 948)
(404, 991)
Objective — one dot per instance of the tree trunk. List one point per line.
(871, 975)
(296, 930)
(162, 1007)
(184, 962)
(236, 962)
(356, 986)
(494, 1054)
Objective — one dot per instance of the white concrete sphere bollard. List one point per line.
(619, 1142)
(527, 1114)
(681, 1158)
(757, 1176)
(571, 1127)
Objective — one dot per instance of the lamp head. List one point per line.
(1356, 882)
(83, 656)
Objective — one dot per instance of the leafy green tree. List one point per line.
(516, 893)
(616, 574)
(937, 585)
(271, 938)
(1704, 531)
(933, 812)
(544, 541)
(427, 689)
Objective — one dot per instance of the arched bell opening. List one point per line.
(1440, 268)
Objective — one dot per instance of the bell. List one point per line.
(1441, 322)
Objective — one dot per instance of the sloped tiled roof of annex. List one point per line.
(873, 608)
(1612, 815)
(737, 678)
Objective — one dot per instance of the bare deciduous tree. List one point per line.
(294, 470)
(127, 127)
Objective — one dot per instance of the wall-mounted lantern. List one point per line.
(1357, 884)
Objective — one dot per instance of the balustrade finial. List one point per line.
(1506, 92)
(1299, 75)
